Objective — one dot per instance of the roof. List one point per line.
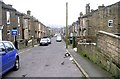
(19, 14)
(7, 6)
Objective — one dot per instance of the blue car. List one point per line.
(9, 57)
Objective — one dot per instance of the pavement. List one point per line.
(87, 67)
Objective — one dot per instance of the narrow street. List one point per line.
(45, 61)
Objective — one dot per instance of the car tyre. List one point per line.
(17, 64)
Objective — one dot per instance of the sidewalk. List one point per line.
(88, 68)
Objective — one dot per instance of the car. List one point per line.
(59, 39)
(44, 41)
(9, 57)
(49, 40)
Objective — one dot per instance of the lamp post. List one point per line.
(66, 25)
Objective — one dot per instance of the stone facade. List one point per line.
(104, 25)
(8, 13)
(26, 25)
(97, 20)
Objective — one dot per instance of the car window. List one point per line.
(8, 46)
(2, 48)
(43, 39)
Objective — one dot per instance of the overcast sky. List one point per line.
(53, 12)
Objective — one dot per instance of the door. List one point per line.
(11, 54)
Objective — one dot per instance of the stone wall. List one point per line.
(109, 44)
(23, 44)
(106, 53)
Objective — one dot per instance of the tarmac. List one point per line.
(89, 69)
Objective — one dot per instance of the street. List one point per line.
(45, 61)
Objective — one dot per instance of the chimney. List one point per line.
(87, 8)
(92, 10)
(81, 14)
(9, 5)
(100, 7)
(28, 12)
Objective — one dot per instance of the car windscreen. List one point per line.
(2, 48)
(43, 40)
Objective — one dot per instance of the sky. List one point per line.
(53, 12)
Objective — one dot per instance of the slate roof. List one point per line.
(7, 6)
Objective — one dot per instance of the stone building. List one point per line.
(104, 25)
(20, 25)
(8, 20)
(105, 18)
(27, 26)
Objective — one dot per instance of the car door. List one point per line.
(4, 65)
(11, 54)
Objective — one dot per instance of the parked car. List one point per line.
(59, 39)
(44, 41)
(49, 40)
(9, 57)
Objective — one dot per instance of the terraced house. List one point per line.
(105, 18)
(99, 37)
(27, 26)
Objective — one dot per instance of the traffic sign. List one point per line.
(14, 32)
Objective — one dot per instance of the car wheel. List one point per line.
(17, 64)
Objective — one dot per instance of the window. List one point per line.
(110, 23)
(9, 47)
(2, 48)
